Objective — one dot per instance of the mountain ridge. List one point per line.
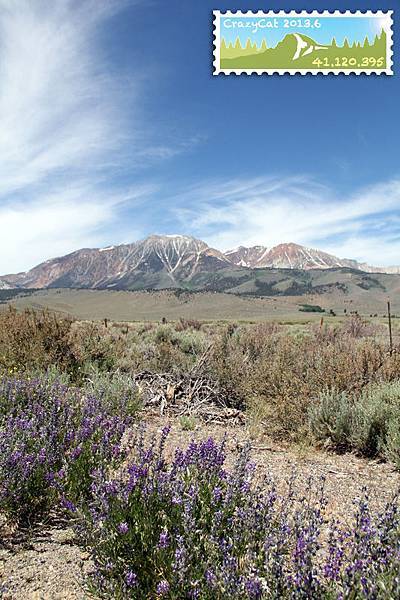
(174, 261)
(290, 255)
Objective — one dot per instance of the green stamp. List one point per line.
(303, 42)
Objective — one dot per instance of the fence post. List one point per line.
(390, 328)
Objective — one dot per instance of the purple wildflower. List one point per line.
(163, 542)
(217, 493)
(254, 588)
(131, 579)
(123, 528)
(68, 505)
(163, 588)
(210, 578)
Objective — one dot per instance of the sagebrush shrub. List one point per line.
(118, 392)
(33, 340)
(278, 376)
(184, 324)
(273, 372)
(391, 445)
(366, 422)
(93, 343)
(331, 419)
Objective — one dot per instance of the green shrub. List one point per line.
(367, 422)
(184, 324)
(34, 340)
(165, 333)
(392, 445)
(94, 343)
(331, 419)
(118, 392)
(187, 528)
(311, 308)
(274, 372)
(277, 376)
(187, 423)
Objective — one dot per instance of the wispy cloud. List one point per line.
(172, 148)
(59, 104)
(65, 126)
(269, 211)
(53, 225)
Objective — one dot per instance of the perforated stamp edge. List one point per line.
(301, 14)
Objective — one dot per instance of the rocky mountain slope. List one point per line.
(178, 261)
(294, 256)
(158, 261)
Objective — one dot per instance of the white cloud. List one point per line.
(64, 127)
(269, 211)
(54, 224)
(59, 105)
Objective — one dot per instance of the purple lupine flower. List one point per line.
(65, 503)
(111, 488)
(217, 494)
(50, 477)
(131, 579)
(69, 437)
(116, 450)
(123, 528)
(194, 593)
(35, 444)
(210, 577)
(163, 588)
(42, 456)
(253, 588)
(163, 542)
(109, 565)
(253, 535)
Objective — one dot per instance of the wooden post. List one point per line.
(390, 328)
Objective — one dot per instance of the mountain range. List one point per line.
(179, 261)
(294, 256)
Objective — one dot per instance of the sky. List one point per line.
(113, 127)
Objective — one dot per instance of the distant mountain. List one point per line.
(179, 261)
(247, 257)
(294, 256)
(159, 261)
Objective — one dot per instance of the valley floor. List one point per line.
(209, 306)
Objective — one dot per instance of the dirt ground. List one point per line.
(50, 566)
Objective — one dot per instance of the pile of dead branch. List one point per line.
(186, 395)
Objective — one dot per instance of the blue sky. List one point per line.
(113, 127)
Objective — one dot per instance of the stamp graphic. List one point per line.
(303, 42)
